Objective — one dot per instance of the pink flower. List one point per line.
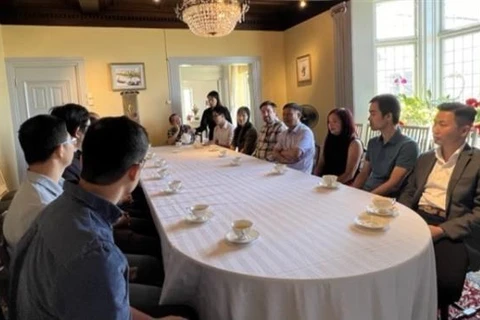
(404, 80)
(472, 102)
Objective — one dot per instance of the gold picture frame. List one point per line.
(128, 76)
(304, 70)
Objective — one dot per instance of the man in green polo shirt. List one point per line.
(391, 156)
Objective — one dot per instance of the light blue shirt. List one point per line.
(299, 137)
(33, 195)
(67, 265)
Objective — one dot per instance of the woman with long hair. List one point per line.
(245, 134)
(207, 121)
(342, 150)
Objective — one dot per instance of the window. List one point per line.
(396, 45)
(427, 50)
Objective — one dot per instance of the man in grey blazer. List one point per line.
(444, 190)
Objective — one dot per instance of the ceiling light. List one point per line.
(212, 18)
(303, 4)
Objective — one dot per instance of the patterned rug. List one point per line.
(470, 296)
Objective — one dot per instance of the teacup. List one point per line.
(280, 167)
(236, 160)
(162, 173)
(383, 204)
(159, 162)
(242, 228)
(329, 180)
(178, 144)
(175, 185)
(222, 153)
(199, 210)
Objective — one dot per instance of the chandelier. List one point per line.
(212, 18)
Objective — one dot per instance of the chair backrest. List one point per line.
(369, 134)
(4, 255)
(421, 135)
(359, 130)
(316, 157)
(472, 138)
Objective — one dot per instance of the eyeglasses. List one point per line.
(71, 140)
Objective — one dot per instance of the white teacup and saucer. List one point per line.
(199, 213)
(222, 153)
(329, 181)
(235, 161)
(160, 163)
(174, 186)
(278, 169)
(242, 232)
(382, 206)
(162, 173)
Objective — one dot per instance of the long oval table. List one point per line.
(310, 262)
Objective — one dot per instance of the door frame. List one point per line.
(12, 64)
(174, 64)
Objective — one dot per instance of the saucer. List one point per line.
(222, 155)
(194, 219)
(333, 186)
(392, 212)
(213, 149)
(234, 164)
(231, 237)
(371, 222)
(170, 191)
(274, 172)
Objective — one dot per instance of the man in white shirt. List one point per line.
(445, 192)
(223, 132)
(48, 150)
(295, 146)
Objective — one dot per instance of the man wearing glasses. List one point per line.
(48, 150)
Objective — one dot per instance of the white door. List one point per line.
(35, 88)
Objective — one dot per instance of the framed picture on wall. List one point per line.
(304, 70)
(128, 76)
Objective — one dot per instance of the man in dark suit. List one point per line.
(444, 190)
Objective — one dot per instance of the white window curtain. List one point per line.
(239, 88)
(343, 55)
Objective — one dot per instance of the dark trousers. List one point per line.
(451, 260)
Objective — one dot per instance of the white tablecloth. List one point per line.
(310, 261)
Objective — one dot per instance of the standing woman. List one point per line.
(342, 150)
(207, 116)
(245, 134)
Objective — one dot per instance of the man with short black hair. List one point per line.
(391, 156)
(76, 271)
(48, 150)
(270, 131)
(445, 191)
(296, 145)
(223, 132)
(77, 119)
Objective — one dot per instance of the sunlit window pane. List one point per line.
(461, 66)
(396, 69)
(460, 13)
(395, 19)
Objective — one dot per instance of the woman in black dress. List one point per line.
(342, 150)
(207, 121)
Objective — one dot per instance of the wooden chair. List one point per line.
(472, 138)
(421, 135)
(359, 130)
(369, 134)
(316, 157)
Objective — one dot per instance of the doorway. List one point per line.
(237, 80)
(36, 85)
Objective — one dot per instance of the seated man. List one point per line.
(223, 132)
(48, 150)
(269, 133)
(391, 156)
(295, 146)
(77, 120)
(177, 130)
(75, 271)
(444, 189)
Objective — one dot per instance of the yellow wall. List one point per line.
(100, 46)
(8, 164)
(313, 37)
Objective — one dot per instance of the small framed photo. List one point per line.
(128, 76)
(304, 70)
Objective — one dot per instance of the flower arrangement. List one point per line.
(195, 111)
(474, 103)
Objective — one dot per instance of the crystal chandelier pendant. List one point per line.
(212, 18)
